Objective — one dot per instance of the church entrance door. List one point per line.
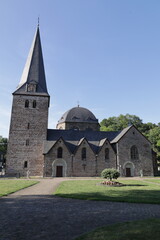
(128, 172)
(59, 171)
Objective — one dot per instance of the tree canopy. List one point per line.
(3, 145)
(150, 130)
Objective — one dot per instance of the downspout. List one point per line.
(43, 166)
(72, 163)
(117, 157)
(96, 165)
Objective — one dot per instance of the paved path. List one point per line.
(44, 187)
(36, 215)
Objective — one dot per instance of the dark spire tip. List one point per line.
(38, 23)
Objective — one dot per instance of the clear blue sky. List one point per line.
(103, 53)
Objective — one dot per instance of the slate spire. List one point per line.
(33, 76)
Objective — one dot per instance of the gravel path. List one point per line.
(34, 214)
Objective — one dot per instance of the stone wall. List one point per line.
(28, 129)
(52, 160)
(82, 126)
(106, 163)
(73, 164)
(86, 167)
(143, 165)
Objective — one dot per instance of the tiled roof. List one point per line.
(72, 138)
(73, 135)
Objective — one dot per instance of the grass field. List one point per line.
(153, 180)
(137, 230)
(10, 186)
(135, 191)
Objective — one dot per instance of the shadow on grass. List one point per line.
(123, 185)
(135, 185)
(130, 196)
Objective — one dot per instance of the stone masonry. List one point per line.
(76, 148)
(27, 124)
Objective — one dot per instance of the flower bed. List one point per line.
(112, 184)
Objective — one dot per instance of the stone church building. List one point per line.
(76, 147)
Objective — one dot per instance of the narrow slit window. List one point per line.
(25, 164)
(27, 142)
(83, 153)
(106, 153)
(26, 104)
(34, 104)
(59, 152)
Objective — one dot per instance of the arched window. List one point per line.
(59, 152)
(106, 153)
(134, 152)
(25, 164)
(26, 104)
(83, 153)
(34, 104)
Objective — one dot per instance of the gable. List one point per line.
(104, 143)
(84, 143)
(131, 131)
(49, 145)
(133, 135)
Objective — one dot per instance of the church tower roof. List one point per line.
(33, 76)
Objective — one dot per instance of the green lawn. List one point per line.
(10, 186)
(136, 191)
(137, 230)
(152, 180)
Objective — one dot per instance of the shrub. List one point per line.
(110, 173)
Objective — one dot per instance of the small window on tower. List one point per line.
(27, 142)
(34, 104)
(25, 164)
(28, 125)
(26, 104)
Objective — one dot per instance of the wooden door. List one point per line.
(128, 172)
(59, 171)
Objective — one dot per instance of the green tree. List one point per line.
(3, 145)
(146, 127)
(120, 122)
(154, 137)
(110, 173)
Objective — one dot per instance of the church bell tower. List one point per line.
(29, 117)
